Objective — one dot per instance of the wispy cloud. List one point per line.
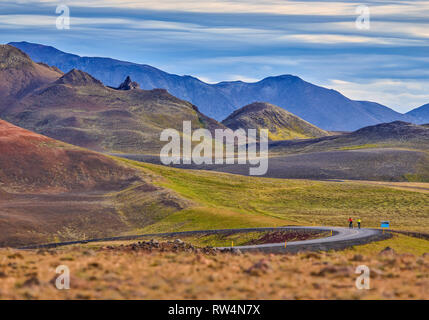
(247, 39)
(413, 7)
(399, 94)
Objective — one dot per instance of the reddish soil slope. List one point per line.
(29, 161)
(52, 191)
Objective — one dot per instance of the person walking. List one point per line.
(359, 221)
(350, 223)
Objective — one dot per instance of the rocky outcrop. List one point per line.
(128, 84)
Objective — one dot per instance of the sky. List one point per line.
(384, 58)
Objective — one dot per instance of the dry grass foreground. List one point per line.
(170, 271)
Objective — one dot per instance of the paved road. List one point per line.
(341, 239)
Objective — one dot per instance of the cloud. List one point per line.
(402, 95)
(247, 39)
(416, 8)
(319, 38)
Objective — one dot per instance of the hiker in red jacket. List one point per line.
(350, 223)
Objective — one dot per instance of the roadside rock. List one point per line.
(178, 241)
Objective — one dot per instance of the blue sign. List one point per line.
(385, 224)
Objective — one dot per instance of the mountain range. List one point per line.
(78, 109)
(325, 108)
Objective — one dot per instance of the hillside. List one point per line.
(397, 151)
(97, 196)
(325, 108)
(53, 191)
(421, 114)
(19, 75)
(77, 108)
(282, 125)
(32, 162)
(397, 134)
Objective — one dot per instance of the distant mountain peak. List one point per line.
(284, 76)
(11, 57)
(78, 78)
(421, 114)
(128, 84)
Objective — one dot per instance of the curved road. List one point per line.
(341, 239)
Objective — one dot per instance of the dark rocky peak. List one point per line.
(128, 84)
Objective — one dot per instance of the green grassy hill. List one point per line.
(233, 201)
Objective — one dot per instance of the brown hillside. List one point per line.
(80, 110)
(19, 75)
(51, 191)
(282, 125)
(29, 161)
